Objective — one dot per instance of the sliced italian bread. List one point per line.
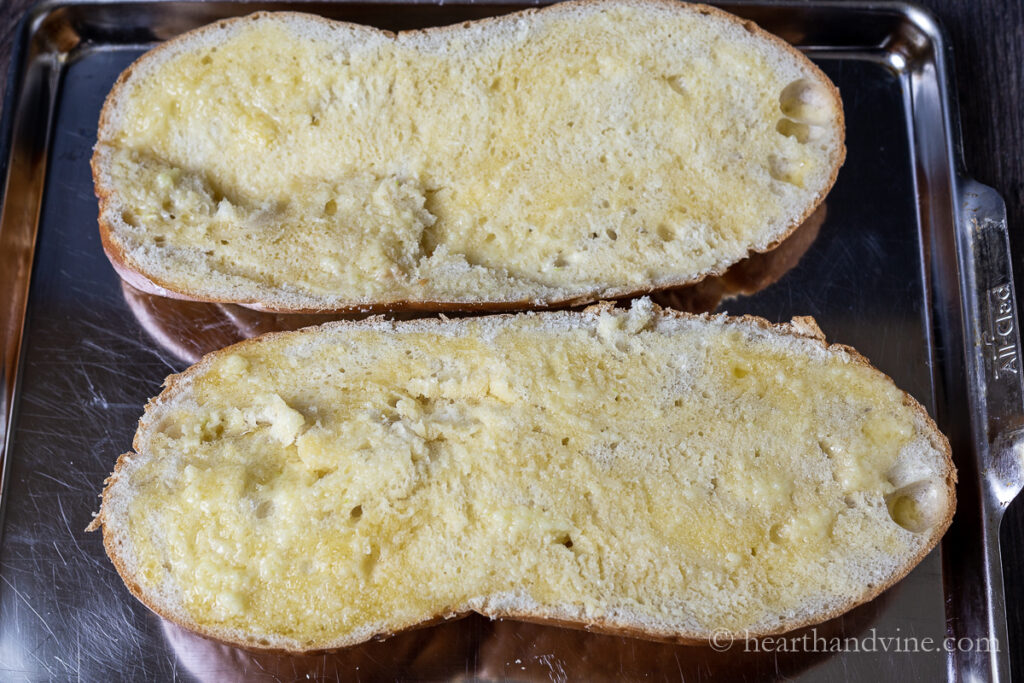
(588, 150)
(634, 471)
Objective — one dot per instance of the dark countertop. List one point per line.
(988, 39)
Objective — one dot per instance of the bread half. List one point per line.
(638, 471)
(588, 150)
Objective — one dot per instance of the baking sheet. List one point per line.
(93, 352)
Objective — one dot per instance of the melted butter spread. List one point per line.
(561, 155)
(711, 478)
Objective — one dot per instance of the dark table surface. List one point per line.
(988, 39)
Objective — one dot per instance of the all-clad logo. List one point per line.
(1001, 337)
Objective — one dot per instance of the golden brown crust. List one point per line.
(802, 327)
(147, 282)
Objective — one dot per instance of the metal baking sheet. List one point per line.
(906, 263)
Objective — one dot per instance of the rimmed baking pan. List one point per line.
(908, 263)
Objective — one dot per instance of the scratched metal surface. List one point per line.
(94, 352)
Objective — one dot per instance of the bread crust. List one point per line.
(135, 275)
(800, 327)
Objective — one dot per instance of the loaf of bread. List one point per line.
(631, 471)
(589, 150)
